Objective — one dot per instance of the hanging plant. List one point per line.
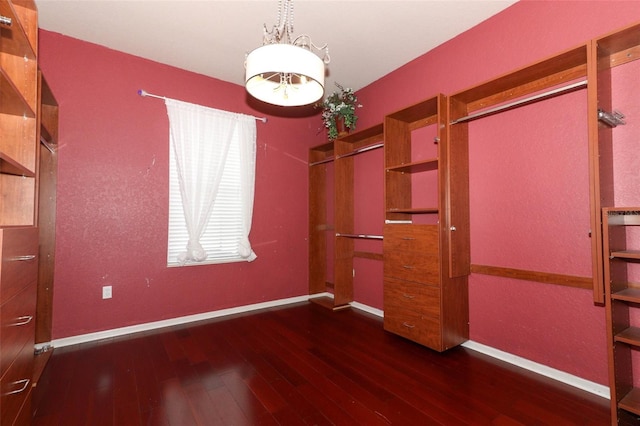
(340, 107)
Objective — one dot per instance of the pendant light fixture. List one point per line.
(284, 71)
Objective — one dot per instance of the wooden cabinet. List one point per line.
(19, 164)
(621, 234)
(412, 253)
(18, 276)
(425, 279)
(412, 291)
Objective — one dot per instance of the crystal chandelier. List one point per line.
(284, 71)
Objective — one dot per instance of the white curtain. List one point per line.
(200, 138)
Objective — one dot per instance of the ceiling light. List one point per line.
(284, 71)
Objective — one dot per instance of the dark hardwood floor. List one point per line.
(296, 365)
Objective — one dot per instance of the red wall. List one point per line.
(113, 178)
(529, 179)
(113, 195)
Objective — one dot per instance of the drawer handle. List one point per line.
(406, 324)
(407, 266)
(23, 382)
(22, 321)
(24, 258)
(5, 20)
(408, 296)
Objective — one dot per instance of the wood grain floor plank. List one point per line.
(296, 365)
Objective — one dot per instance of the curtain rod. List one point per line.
(144, 93)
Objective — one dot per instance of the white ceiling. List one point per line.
(367, 39)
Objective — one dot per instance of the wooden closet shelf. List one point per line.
(11, 167)
(630, 336)
(416, 167)
(631, 401)
(13, 102)
(626, 254)
(627, 295)
(414, 210)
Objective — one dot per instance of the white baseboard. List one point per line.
(106, 334)
(367, 308)
(541, 369)
(561, 376)
(552, 373)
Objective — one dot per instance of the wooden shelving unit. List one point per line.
(423, 300)
(320, 229)
(606, 53)
(347, 148)
(19, 161)
(622, 247)
(344, 232)
(47, 191)
(617, 228)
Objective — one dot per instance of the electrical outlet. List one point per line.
(106, 292)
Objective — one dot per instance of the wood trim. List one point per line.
(540, 277)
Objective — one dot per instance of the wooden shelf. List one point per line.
(418, 115)
(416, 167)
(621, 46)
(11, 167)
(321, 154)
(630, 336)
(627, 295)
(48, 113)
(415, 210)
(369, 136)
(20, 38)
(631, 401)
(626, 254)
(13, 103)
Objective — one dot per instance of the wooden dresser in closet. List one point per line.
(18, 280)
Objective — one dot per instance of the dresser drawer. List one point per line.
(15, 385)
(411, 252)
(419, 328)
(18, 325)
(19, 260)
(405, 295)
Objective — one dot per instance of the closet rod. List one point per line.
(541, 96)
(363, 149)
(365, 236)
(144, 93)
(327, 160)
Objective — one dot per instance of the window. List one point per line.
(211, 184)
